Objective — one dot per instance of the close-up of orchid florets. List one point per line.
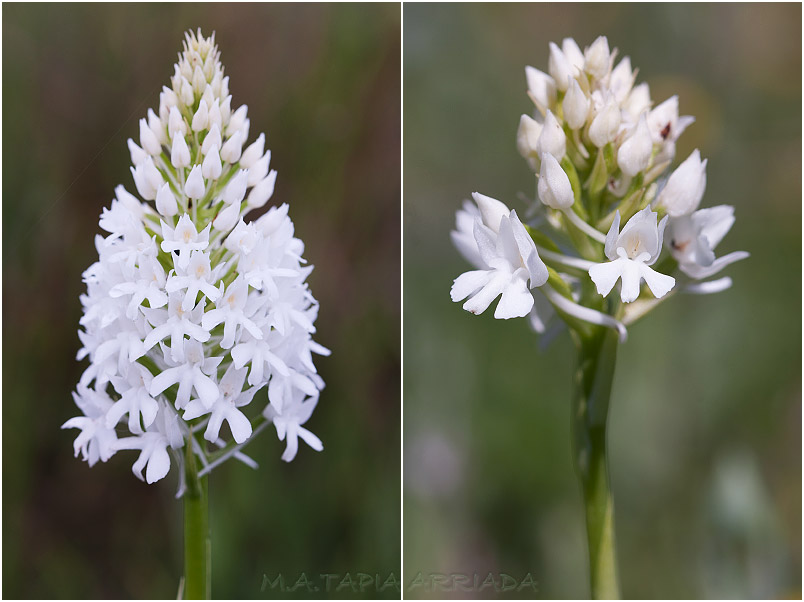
(193, 315)
(610, 211)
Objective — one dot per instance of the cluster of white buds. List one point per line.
(192, 313)
(600, 152)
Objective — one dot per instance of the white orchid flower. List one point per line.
(632, 252)
(692, 240)
(512, 266)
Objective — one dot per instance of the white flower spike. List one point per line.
(599, 150)
(601, 155)
(180, 308)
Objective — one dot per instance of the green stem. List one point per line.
(597, 353)
(197, 543)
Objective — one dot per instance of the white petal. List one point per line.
(486, 241)
(699, 272)
(605, 275)
(714, 223)
(468, 283)
(163, 380)
(537, 270)
(709, 287)
(214, 426)
(194, 409)
(659, 284)
(631, 280)
(292, 445)
(206, 388)
(612, 236)
(516, 301)
(483, 298)
(158, 465)
(310, 439)
(239, 425)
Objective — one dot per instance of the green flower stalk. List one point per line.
(608, 215)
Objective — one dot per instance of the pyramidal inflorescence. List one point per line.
(194, 316)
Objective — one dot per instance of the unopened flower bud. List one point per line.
(152, 174)
(527, 136)
(573, 53)
(685, 187)
(262, 192)
(576, 106)
(605, 125)
(554, 186)
(237, 120)
(542, 88)
(137, 154)
(166, 202)
(621, 79)
(194, 187)
(168, 98)
(638, 100)
(232, 148)
(213, 139)
(187, 96)
(144, 188)
(244, 129)
(199, 81)
(560, 68)
(634, 154)
(179, 153)
(236, 188)
(201, 117)
(211, 167)
(253, 152)
(260, 169)
(157, 127)
(208, 96)
(227, 218)
(552, 139)
(176, 122)
(226, 110)
(148, 139)
(596, 58)
(215, 114)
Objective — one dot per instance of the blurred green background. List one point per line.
(323, 82)
(705, 426)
